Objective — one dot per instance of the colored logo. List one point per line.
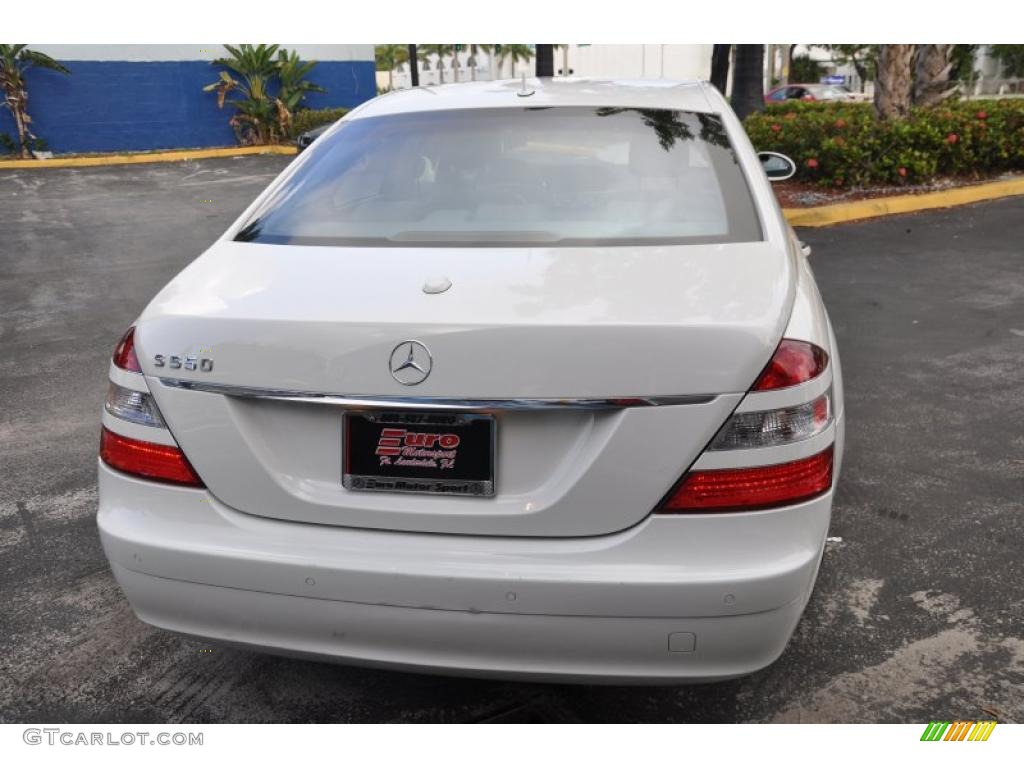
(959, 730)
(417, 449)
(392, 440)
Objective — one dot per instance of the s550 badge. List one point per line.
(188, 362)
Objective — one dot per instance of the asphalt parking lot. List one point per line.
(919, 609)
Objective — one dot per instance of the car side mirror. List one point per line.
(777, 167)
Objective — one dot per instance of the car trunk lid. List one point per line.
(518, 331)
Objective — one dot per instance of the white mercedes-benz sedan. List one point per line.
(504, 379)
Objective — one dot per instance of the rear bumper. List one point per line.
(565, 648)
(673, 599)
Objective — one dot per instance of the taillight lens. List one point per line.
(152, 461)
(124, 353)
(794, 362)
(136, 407)
(765, 429)
(736, 490)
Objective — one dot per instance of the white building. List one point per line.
(681, 62)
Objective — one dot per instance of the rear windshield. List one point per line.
(515, 177)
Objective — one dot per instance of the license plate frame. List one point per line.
(396, 451)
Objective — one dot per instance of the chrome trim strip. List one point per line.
(439, 403)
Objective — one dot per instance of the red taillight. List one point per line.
(149, 460)
(794, 362)
(734, 490)
(124, 352)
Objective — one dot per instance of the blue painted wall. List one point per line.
(108, 106)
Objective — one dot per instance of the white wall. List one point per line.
(675, 62)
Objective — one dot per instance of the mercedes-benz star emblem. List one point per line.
(410, 363)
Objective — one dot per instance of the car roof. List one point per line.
(687, 95)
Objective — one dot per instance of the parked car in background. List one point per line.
(812, 92)
(500, 378)
(307, 138)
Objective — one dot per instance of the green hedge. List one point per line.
(844, 145)
(308, 119)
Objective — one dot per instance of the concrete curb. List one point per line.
(147, 157)
(826, 215)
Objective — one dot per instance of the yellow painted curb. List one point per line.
(826, 215)
(148, 157)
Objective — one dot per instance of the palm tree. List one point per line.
(545, 56)
(931, 82)
(257, 116)
(15, 60)
(454, 52)
(720, 66)
(291, 74)
(515, 53)
(748, 79)
(472, 61)
(894, 81)
(544, 65)
(440, 50)
(390, 57)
